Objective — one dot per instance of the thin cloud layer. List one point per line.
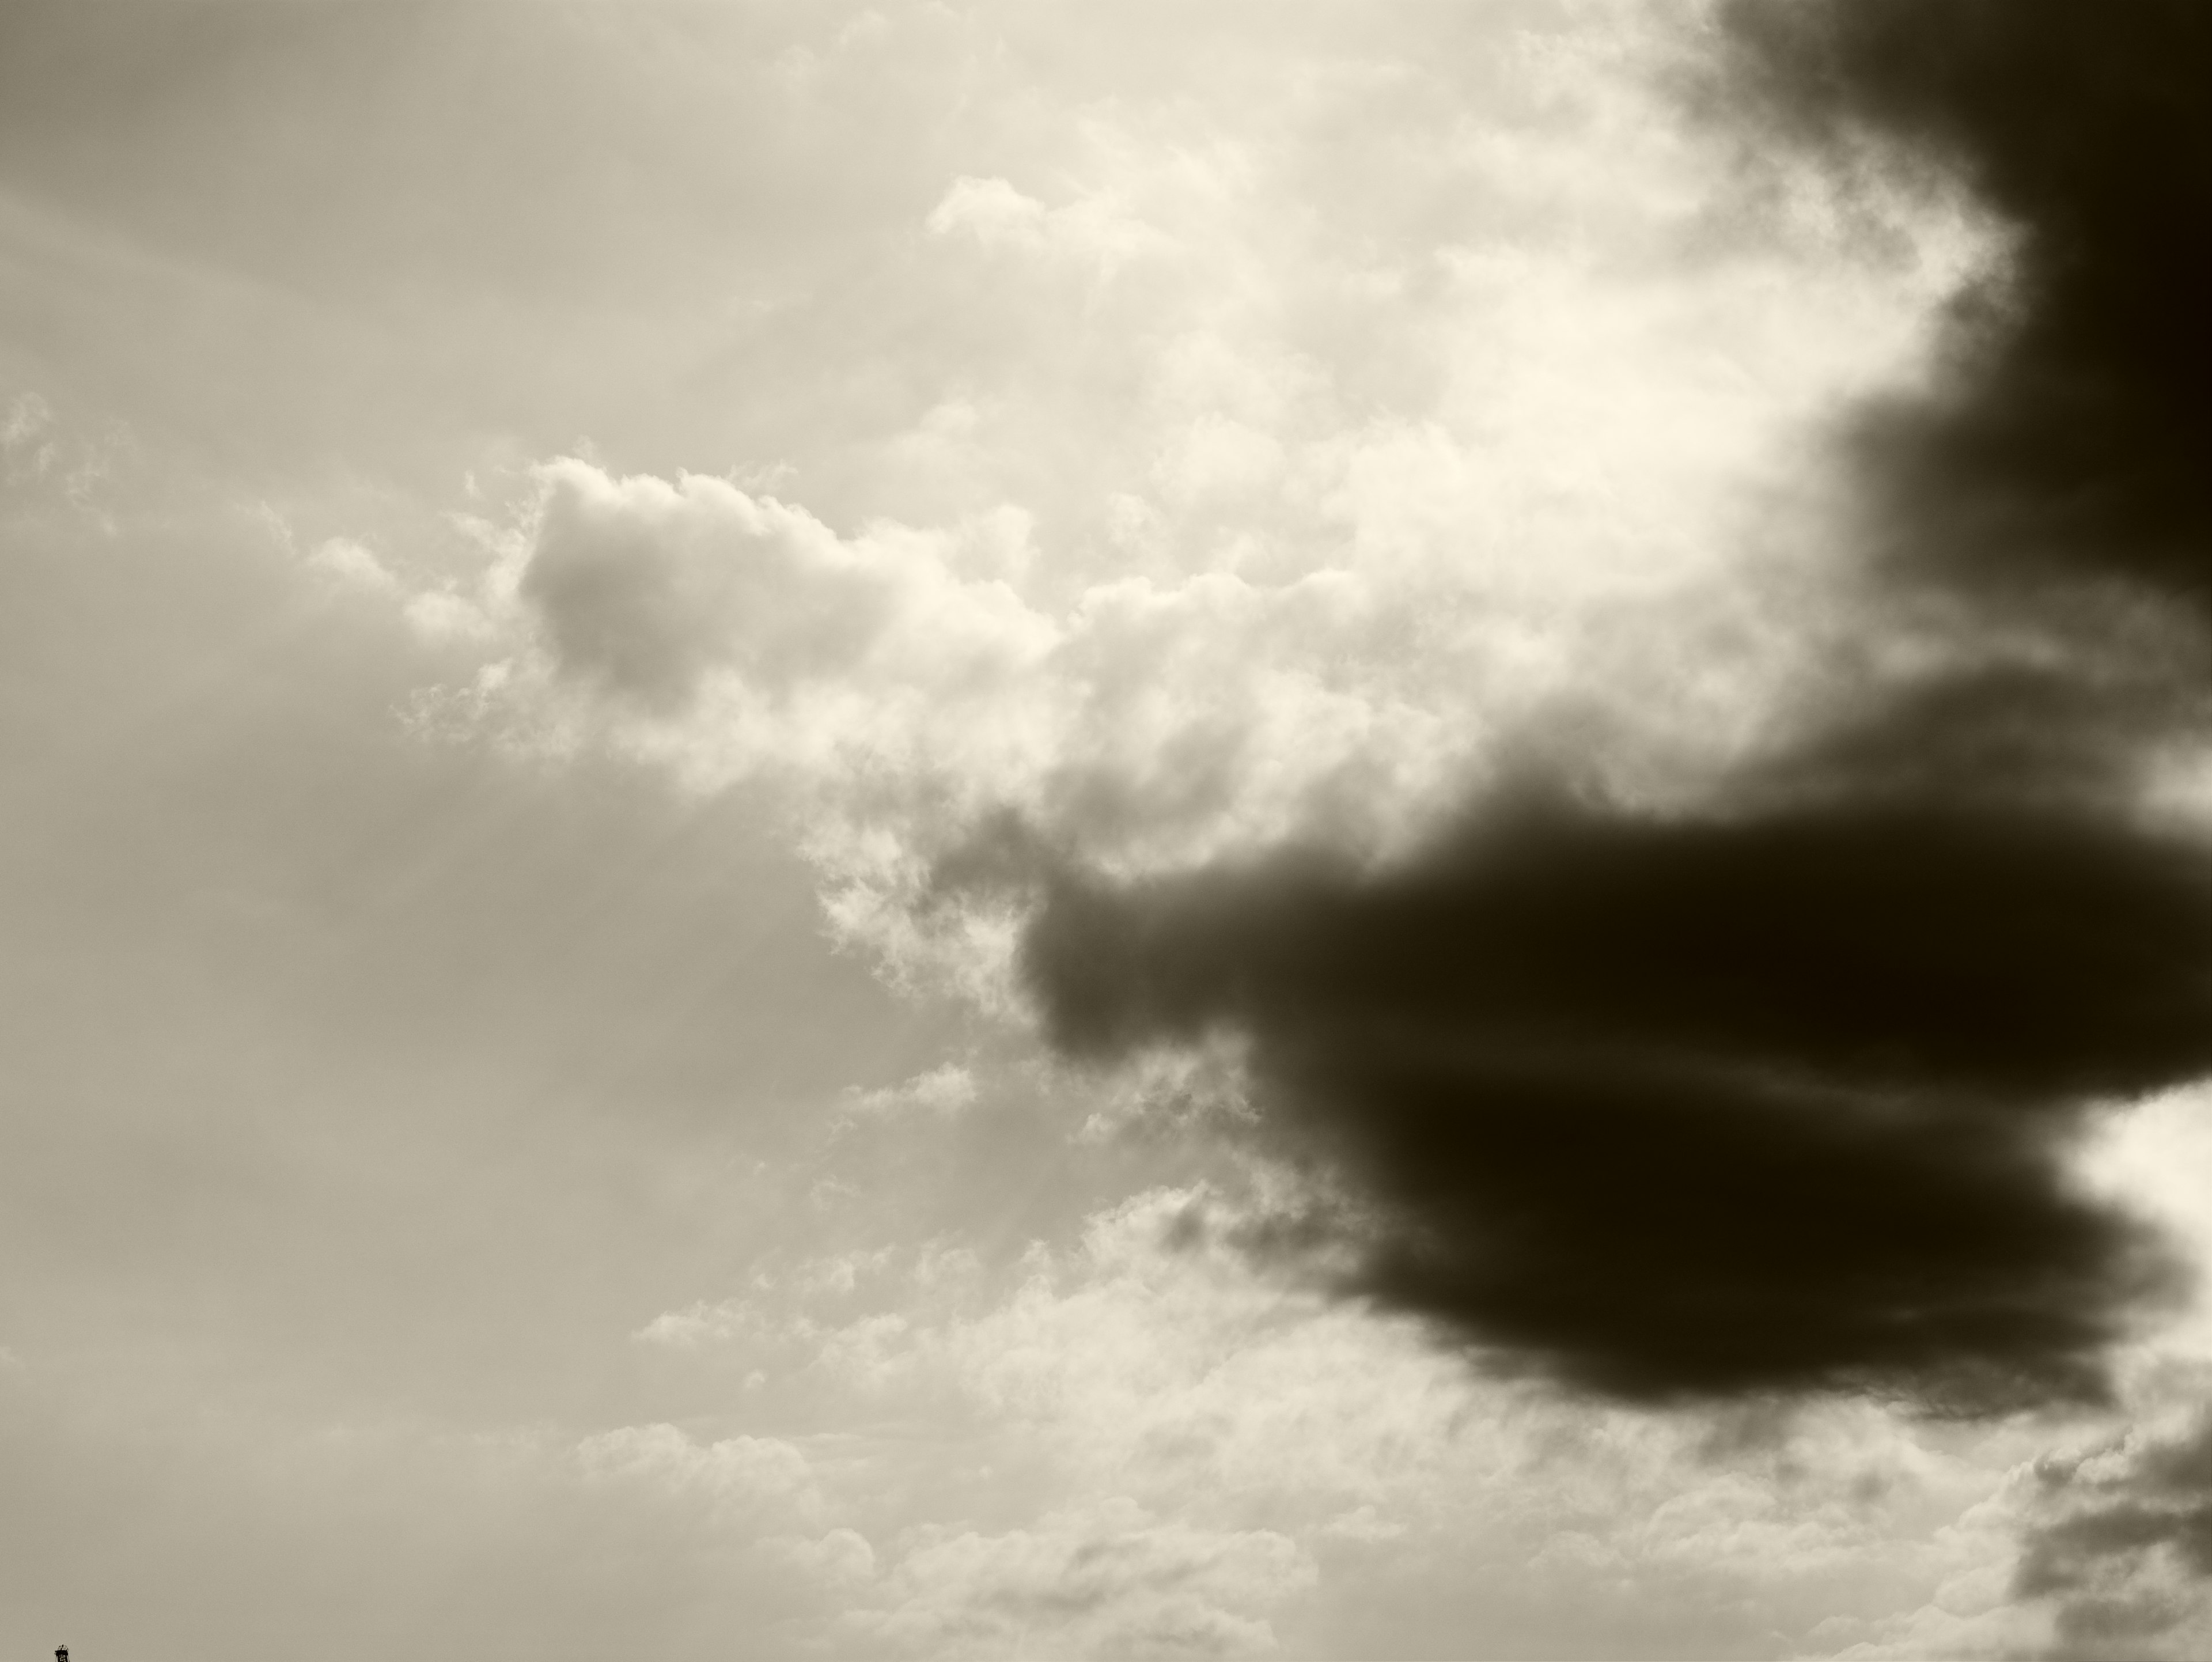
(1137, 1445)
(1103, 1581)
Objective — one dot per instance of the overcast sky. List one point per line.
(1029, 830)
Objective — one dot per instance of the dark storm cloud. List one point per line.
(1700, 1107)
(1912, 947)
(2121, 1544)
(2070, 434)
(1779, 1095)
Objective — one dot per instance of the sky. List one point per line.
(1027, 830)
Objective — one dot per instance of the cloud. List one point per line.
(643, 588)
(841, 1559)
(1294, 532)
(748, 1478)
(943, 1090)
(1777, 1089)
(2064, 436)
(905, 687)
(2120, 1543)
(700, 1324)
(1699, 1106)
(1139, 1441)
(1749, 1048)
(1103, 1580)
(1097, 229)
(807, 650)
(352, 563)
(47, 460)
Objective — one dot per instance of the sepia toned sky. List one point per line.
(1032, 830)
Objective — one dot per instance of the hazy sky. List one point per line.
(1022, 829)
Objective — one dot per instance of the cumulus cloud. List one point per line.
(350, 562)
(908, 690)
(26, 437)
(1139, 708)
(1215, 582)
(644, 588)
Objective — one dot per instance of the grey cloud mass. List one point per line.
(2120, 1543)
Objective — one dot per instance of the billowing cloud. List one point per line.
(1286, 528)
(907, 687)
(644, 587)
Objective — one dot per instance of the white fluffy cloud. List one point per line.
(648, 590)
(1329, 485)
